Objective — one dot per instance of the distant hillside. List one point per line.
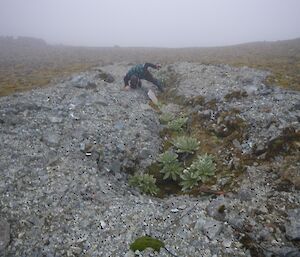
(10, 42)
(282, 58)
(27, 62)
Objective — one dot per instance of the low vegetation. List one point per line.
(177, 124)
(145, 183)
(144, 242)
(166, 117)
(201, 170)
(171, 168)
(34, 63)
(186, 144)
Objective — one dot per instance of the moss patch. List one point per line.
(144, 242)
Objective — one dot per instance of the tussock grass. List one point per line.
(26, 67)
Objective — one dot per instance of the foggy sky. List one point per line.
(165, 23)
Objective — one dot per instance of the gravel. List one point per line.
(67, 151)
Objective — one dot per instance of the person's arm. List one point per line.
(151, 65)
(126, 80)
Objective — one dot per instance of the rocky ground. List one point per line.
(67, 151)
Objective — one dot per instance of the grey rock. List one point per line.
(91, 85)
(237, 144)
(4, 234)
(284, 251)
(109, 78)
(210, 228)
(51, 139)
(101, 103)
(53, 162)
(55, 119)
(129, 254)
(246, 194)
(145, 153)
(251, 89)
(216, 208)
(295, 107)
(115, 166)
(264, 235)
(237, 222)
(260, 148)
(87, 147)
(293, 226)
(206, 114)
(121, 147)
(119, 125)
(81, 100)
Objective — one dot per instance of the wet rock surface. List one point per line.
(67, 151)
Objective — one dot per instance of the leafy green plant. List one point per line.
(185, 144)
(190, 178)
(145, 183)
(205, 166)
(166, 117)
(172, 171)
(167, 157)
(200, 170)
(171, 166)
(177, 124)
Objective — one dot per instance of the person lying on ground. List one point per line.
(138, 72)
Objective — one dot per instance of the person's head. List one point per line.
(134, 80)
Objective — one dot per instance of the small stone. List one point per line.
(227, 243)
(145, 153)
(246, 194)
(121, 147)
(91, 85)
(109, 78)
(119, 125)
(216, 209)
(264, 235)
(76, 250)
(237, 144)
(129, 254)
(51, 139)
(236, 222)
(210, 228)
(74, 117)
(53, 162)
(145, 107)
(115, 166)
(102, 224)
(251, 89)
(86, 147)
(55, 119)
(263, 209)
(205, 114)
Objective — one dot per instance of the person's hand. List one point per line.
(158, 66)
(126, 88)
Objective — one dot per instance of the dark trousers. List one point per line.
(150, 78)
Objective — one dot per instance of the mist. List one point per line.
(155, 23)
